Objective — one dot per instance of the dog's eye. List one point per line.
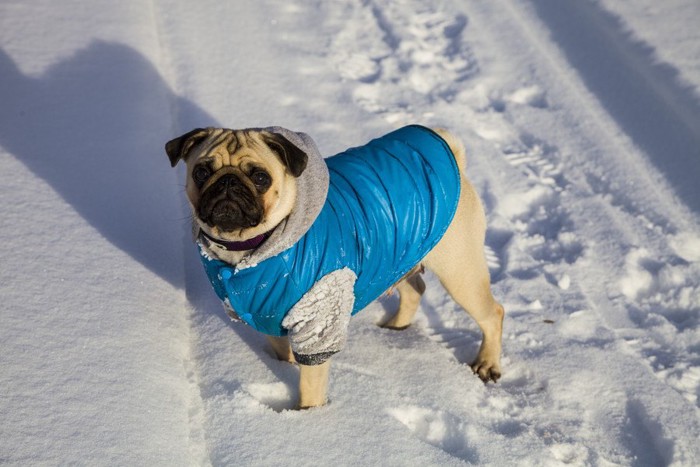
(200, 174)
(261, 179)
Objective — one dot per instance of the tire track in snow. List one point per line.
(195, 410)
(660, 288)
(627, 159)
(645, 98)
(667, 293)
(669, 353)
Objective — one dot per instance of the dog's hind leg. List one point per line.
(410, 291)
(459, 262)
(469, 286)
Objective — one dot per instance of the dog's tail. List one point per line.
(456, 146)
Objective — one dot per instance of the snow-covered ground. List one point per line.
(582, 123)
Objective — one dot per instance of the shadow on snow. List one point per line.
(93, 126)
(647, 99)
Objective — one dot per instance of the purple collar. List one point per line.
(245, 245)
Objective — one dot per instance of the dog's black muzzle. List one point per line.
(230, 204)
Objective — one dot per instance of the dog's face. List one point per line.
(240, 183)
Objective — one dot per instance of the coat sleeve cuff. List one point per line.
(313, 359)
(317, 324)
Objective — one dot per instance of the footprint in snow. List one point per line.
(438, 428)
(492, 260)
(400, 55)
(537, 160)
(495, 250)
(533, 96)
(662, 295)
(539, 214)
(543, 225)
(462, 343)
(277, 396)
(645, 437)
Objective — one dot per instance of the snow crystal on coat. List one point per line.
(318, 323)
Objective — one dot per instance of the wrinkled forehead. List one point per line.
(226, 147)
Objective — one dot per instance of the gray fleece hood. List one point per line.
(312, 189)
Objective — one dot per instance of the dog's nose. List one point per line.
(227, 181)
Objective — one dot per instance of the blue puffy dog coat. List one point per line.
(388, 203)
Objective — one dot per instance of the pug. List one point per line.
(295, 244)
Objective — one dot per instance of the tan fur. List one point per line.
(282, 349)
(313, 385)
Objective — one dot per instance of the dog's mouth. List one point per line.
(229, 205)
(229, 216)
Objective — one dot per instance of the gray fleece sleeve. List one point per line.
(318, 323)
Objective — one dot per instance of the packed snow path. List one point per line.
(582, 124)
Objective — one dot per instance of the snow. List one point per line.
(582, 127)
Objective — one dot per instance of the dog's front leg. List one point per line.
(317, 328)
(313, 385)
(282, 349)
(313, 379)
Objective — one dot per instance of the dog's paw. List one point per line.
(303, 408)
(398, 322)
(391, 325)
(486, 369)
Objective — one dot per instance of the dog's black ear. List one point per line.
(177, 148)
(294, 158)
